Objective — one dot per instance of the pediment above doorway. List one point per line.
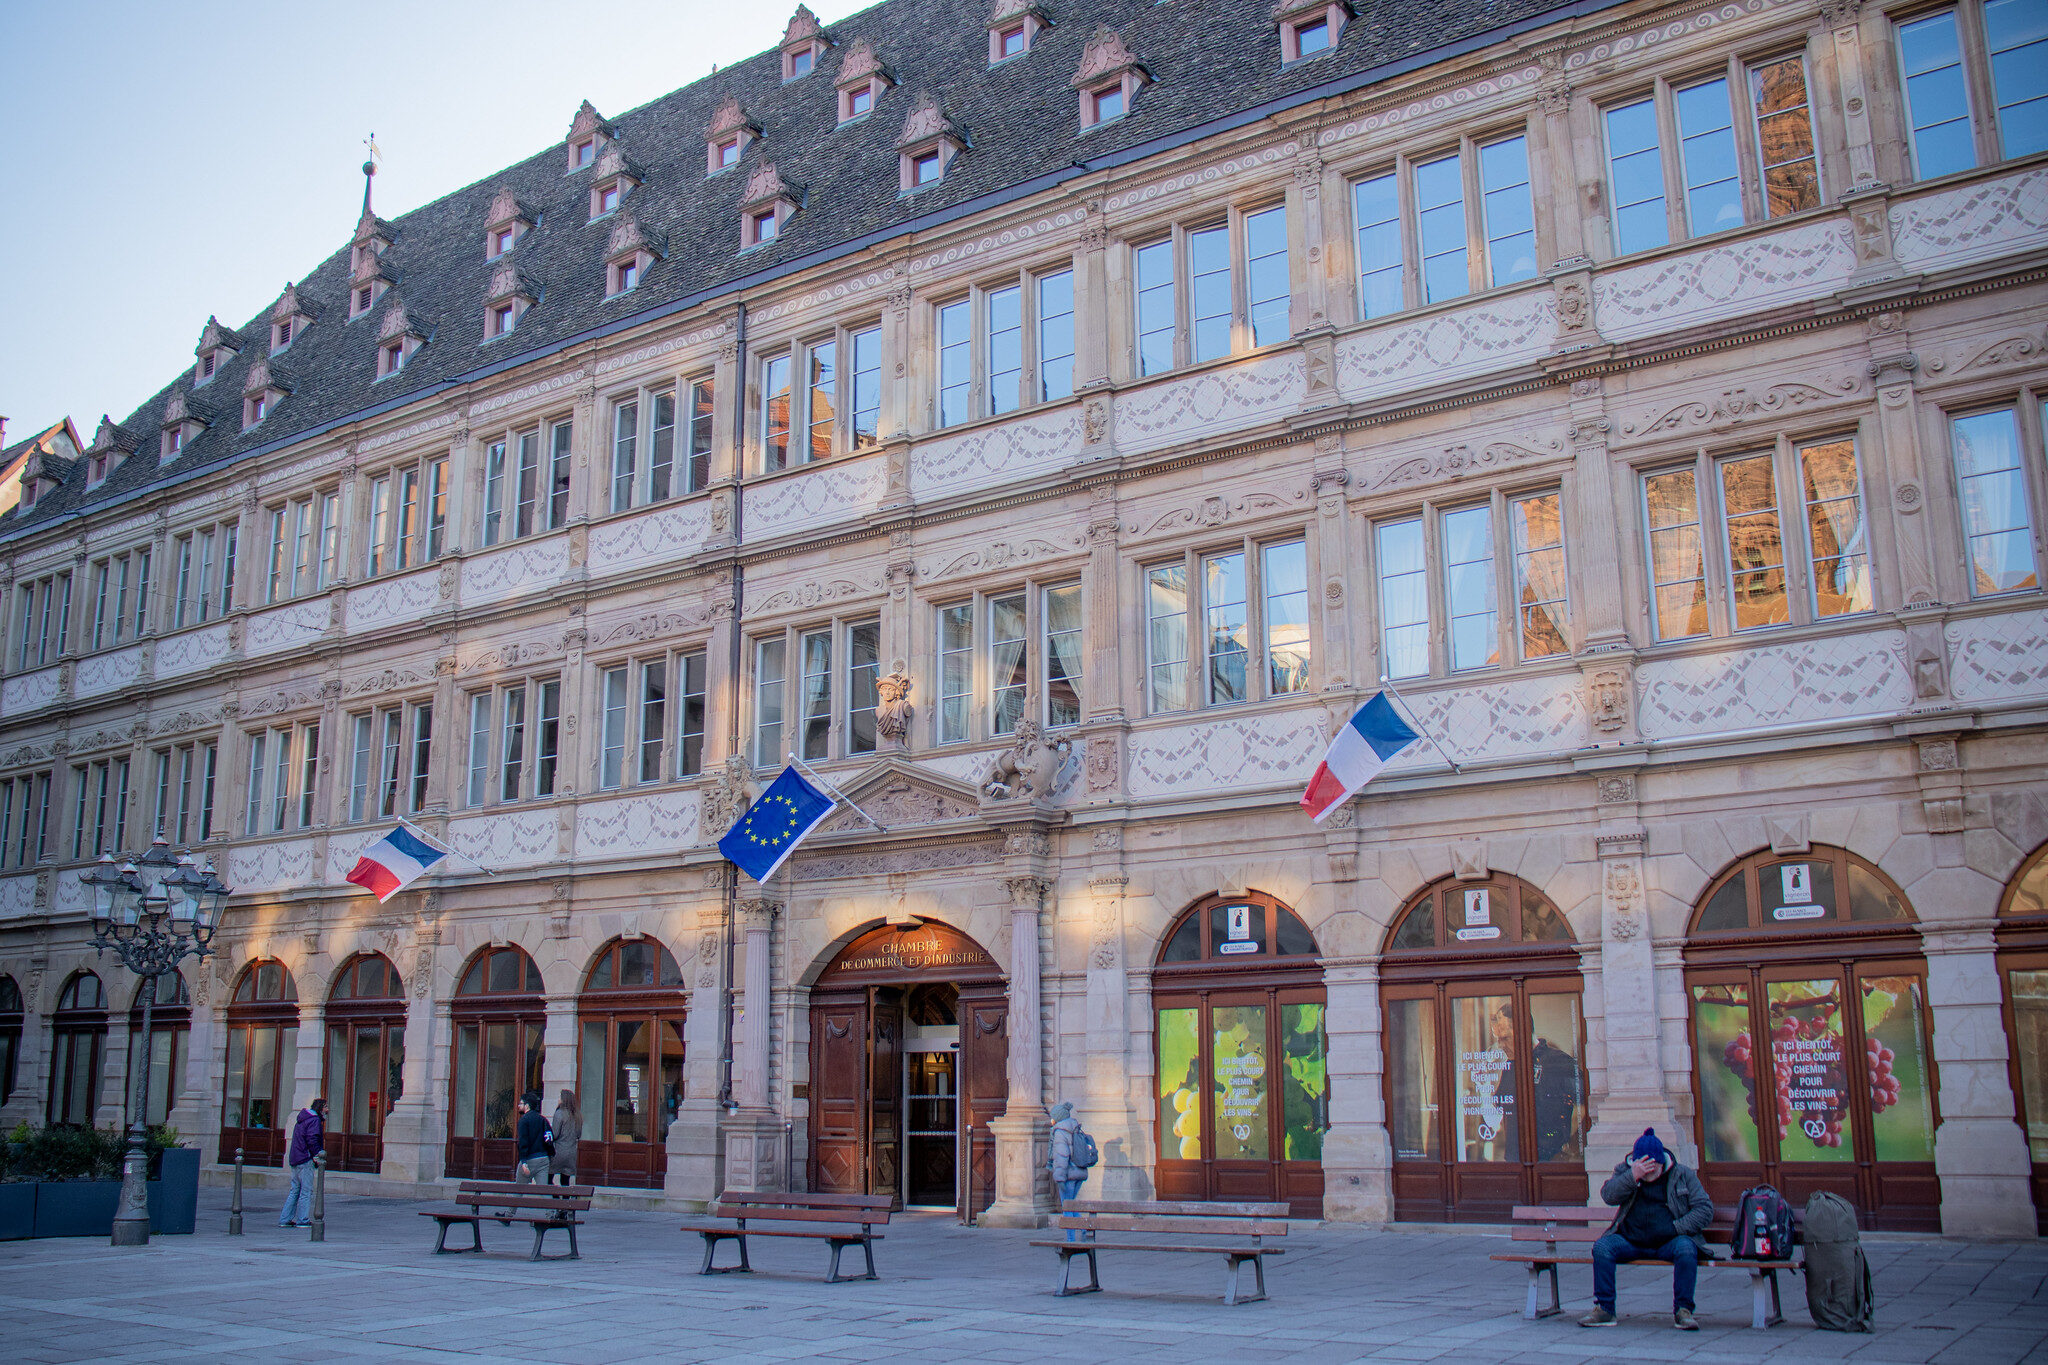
(900, 796)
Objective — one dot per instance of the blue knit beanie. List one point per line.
(1648, 1145)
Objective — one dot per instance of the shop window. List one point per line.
(78, 1035)
(629, 1064)
(365, 1064)
(2023, 963)
(500, 1020)
(1485, 1039)
(258, 1088)
(1243, 1092)
(10, 1035)
(170, 1032)
(1813, 1064)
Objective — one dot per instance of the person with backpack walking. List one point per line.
(309, 1134)
(1663, 1210)
(1073, 1153)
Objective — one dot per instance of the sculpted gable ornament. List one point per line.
(766, 184)
(1029, 768)
(803, 28)
(928, 123)
(588, 122)
(899, 795)
(1104, 59)
(860, 64)
(629, 236)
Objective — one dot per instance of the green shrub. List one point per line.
(72, 1153)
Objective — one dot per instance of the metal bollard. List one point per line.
(235, 1205)
(319, 1197)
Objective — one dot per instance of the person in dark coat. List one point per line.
(531, 1166)
(309, 1134)
(1663, 1211)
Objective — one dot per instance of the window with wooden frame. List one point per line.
(1213, 290)
(305, 547)
(1456, 564)
(204, 561)
(42, 613)
(405, 515)
(652, 718)
(1243, 611)
(121, 590)
(1310, 29)
(186, 775)
(526, 482)
(815, 691)
(998, 651)
(99, 822)
(1756, 538)
(629, 1065)
(1008, 344)
(281, 778)
(646, 428)
(821, 397)
(515, 741)
(25, 819)
(1441, 224)
(390, 760)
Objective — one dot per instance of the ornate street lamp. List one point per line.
(153, 912)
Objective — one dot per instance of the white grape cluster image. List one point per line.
(1188, 1127)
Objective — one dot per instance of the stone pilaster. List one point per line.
(415, 1130)
(1023, 1134)
(695, 1148)
(1633, 1096)
(1358, 1156)
(752, 1130)
(1980, 1152)
(1106, 1108)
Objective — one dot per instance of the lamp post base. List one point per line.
(131, 1221)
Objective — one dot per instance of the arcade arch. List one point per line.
(499, 1021)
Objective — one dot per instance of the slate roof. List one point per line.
(1213, 63)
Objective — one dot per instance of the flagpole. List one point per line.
(837, 794)
(1387, 686)
(451, 852)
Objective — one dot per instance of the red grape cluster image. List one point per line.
(1803, 1047)
(1884, 1086)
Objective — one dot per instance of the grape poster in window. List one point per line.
(1239, 1053)
(1484, 1034)
(1809, 1071)
(1727, 1066)
(1895, 1068)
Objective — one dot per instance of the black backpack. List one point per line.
(1763, 1226)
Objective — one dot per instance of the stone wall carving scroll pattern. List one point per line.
(191, 651)
(1179, 410)
(101, 673)
(503, 572)
(392, 601)
(407, 433)
(1761, 272)
(1518, 717)
(1740, 404)
(272, 867)
(552, 384)
(507, 838)
(815, 497)
(1951, 226)
(994, 558)
(660, 823)
(285, 628)
(1414, 469)
(1755, 685)
(1506, 83)
(667, 534)
(1219, 752)
(989, 454)
(27, 691)
(17, 897)
(1999, 657)
(1465, 341)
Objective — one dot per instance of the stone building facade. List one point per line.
(1649, 396)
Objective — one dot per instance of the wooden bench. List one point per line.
(1573, 1226)
(546, 1207)
(847, 1219)
(1241, 1228)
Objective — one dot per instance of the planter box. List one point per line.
(174, 1199)
(17, 1211)
(76, 1208)
(86, 1208)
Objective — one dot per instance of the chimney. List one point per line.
(3, 433)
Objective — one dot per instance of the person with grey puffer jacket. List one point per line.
(1663, 1209)
(1066, 1176)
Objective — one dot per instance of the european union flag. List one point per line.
(774, 825)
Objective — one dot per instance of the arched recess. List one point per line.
(1244, 1097)
(363, 1074)
(170, 1031)
(629, 1065)
(500, 1023)
(78, 1039)
(1485, 1052)
(2023, 969)
(908, 1066)
(10, 1034)
(1806, 992)
(262, 1065)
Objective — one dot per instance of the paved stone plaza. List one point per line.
(372, 1292)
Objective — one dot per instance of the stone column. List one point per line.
(753, 1133)
(111, 1110)
(1108, 1108)
(1358, 1153)
(695, 1153)
(32, 1053)
(1980, 1152)
(1024, 1196)
(1093, 313)
(558, 1066)
(1633, 1097)
(416, 1128)
(308, 1060)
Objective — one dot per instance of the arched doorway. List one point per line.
(629, 1067)
(500, 1023)
(1812, 1070)
(2023, 963)
(78, 1036)
(10, 1034)
(263, 1058)
(365, 1059)
(170, 1029)
(908, 1066)
(1244, 1097)
(1485, 1052)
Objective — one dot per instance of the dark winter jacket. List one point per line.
(307, 1136)
(1691, 1209)
(532, 1136)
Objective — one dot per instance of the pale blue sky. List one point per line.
(166, 161)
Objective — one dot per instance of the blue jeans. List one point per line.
(298, 1205)
(1068, 1189)
(1682, 1252)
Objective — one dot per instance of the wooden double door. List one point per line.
(875, 1101)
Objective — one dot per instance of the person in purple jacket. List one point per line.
(308, 1134)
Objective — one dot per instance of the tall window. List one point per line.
(1246, 609)
(1992, 487)
(1007, 344)
(1467, 236)
(1973, 86)
(390, 758)
(283, 771)
(652, 723)
(185, 776)
(1678, 574)
(205, 560)
(771, 684)
(833, 691)
(813, 406)
(100, 822)
(1451, 562)
(44, 614)
(644, 432)
(515, 741)
(24, 819)
(407, 516)
(1206, 292)
(305, 547)
(526, 478)
(1635, 168)
(120, 597)
(1536, 526)
(999, 650)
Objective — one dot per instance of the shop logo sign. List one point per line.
(1239, 937)
(1796, 879)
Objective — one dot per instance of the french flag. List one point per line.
(1369, 741)
(394, 862)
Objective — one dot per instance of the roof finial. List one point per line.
(370, 169)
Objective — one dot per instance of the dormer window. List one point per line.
(501, 241)
(926, 168)
(1108, 79)
(390, 358)
(726, 153)
(206, 366)
(765, 206)
(260, 394)
(96, 470)
(605, 200)
(503, 316)
(255, 408)
(628, 255)
(800, 63)
(857, 102)
(1013, 27)
(509, 220)
(179, 426)
(508, 299)
(289, 316)
(861, 80)
(174, 441)
(762, 227)
(364, 297)
(614, 179)
(928, 145)
(1309, 27)
(725, 141)
(625, 274)
(280, 335)
(397, 339)
(216, 345)
(586, 131)
(583, 153)
(803, 44)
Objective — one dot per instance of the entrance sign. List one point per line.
(1478, 908)
(1238, 937)
(923, 952)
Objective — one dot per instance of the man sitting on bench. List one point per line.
(1664, 1209)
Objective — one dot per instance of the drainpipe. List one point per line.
(734, 659)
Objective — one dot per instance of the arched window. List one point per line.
(500, 1023)
(1244, 1097)
(10, 1034)
(262, 1066)
(1812, 1068)
(78, 1035)
(629, 1067)
(1485, 1052)
(2023, 963)
(365, 1059)
(170, 1028)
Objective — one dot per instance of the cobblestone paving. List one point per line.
(371, 1291)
